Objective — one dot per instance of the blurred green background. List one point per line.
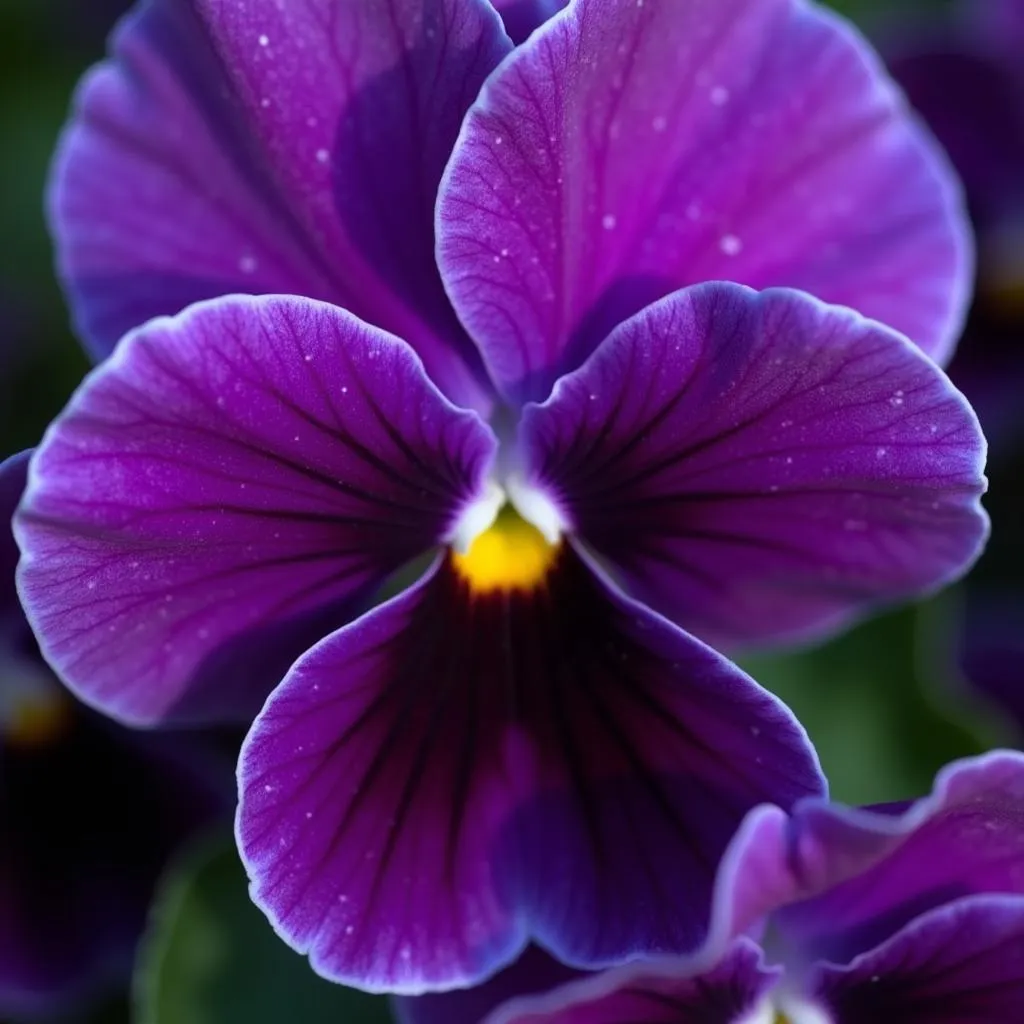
(886, 704)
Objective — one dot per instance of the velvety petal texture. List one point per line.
(225, 491)
(629, 149)
(857, 876)
(960, 964)
(760, 466)
(521, 17)
(728, 992)
(458, 772)
(268, 147)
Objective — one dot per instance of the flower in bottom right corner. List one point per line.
(909, 913)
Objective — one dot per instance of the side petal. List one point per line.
(521, 17)
(457, 773)
(272, 148)
(956, 964)
(223, 492)
(762, 467)
(629, 149)
(728, 992)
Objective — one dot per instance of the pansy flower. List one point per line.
(90, 815)
(893, 915)
(493, 349)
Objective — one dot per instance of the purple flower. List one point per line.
(522, 743)
(910, 914)
(90, 814)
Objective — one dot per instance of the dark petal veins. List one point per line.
(454, 774)
(761, 467)
(227, 490)
(959, 964)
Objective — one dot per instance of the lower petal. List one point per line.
(457, 773)
(958, 964)
(730, 992)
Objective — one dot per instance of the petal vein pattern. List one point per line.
(629, 149)
(760, 467)
(226, 491)
(458, 772)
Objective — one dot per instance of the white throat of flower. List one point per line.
(784, 1008)
(531, 504)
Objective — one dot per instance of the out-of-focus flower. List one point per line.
(514, 747)
(898, 914)
(90, 814)
(964, 72)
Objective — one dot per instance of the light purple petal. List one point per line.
(761, 467)
(521, 17)
(270, 147)
(219, 494)
(729, 992)
(959, 964)
(966, 838)
(629, 149)
(453, 775)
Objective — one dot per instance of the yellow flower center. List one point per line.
(511, 554)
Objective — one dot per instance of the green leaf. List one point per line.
(211, 957)
(881, 703)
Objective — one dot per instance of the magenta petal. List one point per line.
(727, 992)
(868, 873)
(761, 466)
(453, 775)
(269, 147)
(217, 496)
(960, 964)
(629, 149)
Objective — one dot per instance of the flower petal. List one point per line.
(847, 879)
(456, 773)
(957, 964)
(13, 473)
(218, 496)
(761, 467)
(728, 992)
(270, 147)
(629, 149)
(521, 17)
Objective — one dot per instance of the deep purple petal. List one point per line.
(455, 774)
(876, 872)
(521, 17)
(727, 993)
(217, 496)
(534, 973)
(760, 466)
(270, 147)
(629, 149)
(959, 964)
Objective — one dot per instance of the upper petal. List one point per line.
(629, 149)
(761, 466)
(456, 773)
(958, 964)
(727, 992)
(521, 17)
(269, 147)
(223, 491)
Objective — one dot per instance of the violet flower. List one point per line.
(898, 915)
(90, 815)
(523, 744)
